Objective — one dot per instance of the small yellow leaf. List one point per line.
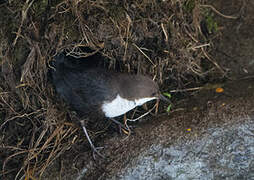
(219, 90)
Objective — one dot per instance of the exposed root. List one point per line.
(217, 12)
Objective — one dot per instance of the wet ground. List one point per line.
(213, 142)
(207, 136)
(235, 46)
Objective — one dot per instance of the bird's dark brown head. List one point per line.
(139, 86)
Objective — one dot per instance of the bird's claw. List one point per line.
(96, 151)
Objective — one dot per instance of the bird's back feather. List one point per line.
(82, 87)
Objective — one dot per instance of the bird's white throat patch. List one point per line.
(120, 106)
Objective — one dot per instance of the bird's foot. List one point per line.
(123, 128)
(96, 151)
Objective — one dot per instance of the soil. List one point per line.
(234, 48)
(189, 121)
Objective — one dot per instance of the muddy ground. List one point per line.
(234, 49)
(190, 121)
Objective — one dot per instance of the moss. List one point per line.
(39, 7)
(211, 24)
(116, 12)
(189, 5)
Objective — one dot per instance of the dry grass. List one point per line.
(160, 38)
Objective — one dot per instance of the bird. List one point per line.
(99, 93)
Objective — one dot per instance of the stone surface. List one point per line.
(223, 153)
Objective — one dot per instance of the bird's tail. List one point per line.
(57, 66)
(63, 63)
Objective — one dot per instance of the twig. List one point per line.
(25, 9)
(143, 115)
(189, 34)
(165, 32)
(207, 87)
(215, 63)
(188, 89)
(127, 37)
(144, 54)
(219, 13)
(200, 46)
(19, 116)
(133, 120)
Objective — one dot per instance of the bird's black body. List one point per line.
(82, 86)
(85, 87)
(95, 92)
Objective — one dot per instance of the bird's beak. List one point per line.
(163, 98)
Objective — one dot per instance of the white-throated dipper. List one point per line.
(95, 92)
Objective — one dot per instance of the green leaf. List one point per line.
(167, 94)
(168, 108)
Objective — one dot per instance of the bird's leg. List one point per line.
(95, 149)
(118, 123)
(126, 129)
(126, 125)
